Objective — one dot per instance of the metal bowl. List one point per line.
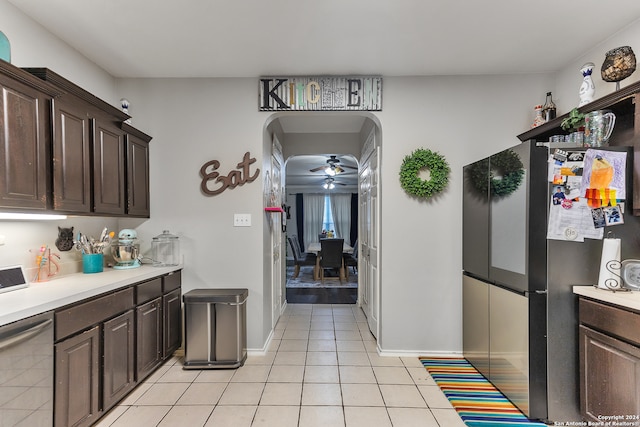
(125, 253)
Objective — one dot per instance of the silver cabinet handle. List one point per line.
(25, 335)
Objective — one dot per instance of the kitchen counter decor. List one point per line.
(424, 159)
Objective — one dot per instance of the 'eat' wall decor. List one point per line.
(350, 93)
(240, 176)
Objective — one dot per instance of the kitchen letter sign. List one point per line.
(208, 172)
(320, 93)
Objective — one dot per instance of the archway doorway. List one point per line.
(357, 134)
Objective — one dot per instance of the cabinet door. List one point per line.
(149, 337)
(23, 146)
(77, 379)
(71, 158)
(137, 177)
(172, 306)
(118, 350)
(108, 168)
(609, 376)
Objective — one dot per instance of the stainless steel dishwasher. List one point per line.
(26, 372)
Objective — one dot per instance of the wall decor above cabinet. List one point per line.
(68, 151)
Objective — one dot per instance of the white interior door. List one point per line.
(277, 192)
(368, 236)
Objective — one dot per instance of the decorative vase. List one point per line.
(5, 48)
(587, 89)
(539, 119)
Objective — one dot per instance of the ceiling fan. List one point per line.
(332, 167)
(330, 183)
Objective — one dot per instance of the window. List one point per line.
(327, 217)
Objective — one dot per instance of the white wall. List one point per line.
(196, 120)
(33, 46)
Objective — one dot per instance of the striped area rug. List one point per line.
(477, 401)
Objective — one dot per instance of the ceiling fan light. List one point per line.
(325, 185)
(330, 171)
(332, 186)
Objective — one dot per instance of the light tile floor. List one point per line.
(321, 369)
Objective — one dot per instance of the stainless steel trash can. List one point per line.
(215, 328)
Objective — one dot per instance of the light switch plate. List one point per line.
(242, 220)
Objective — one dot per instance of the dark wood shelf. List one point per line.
(614, 101)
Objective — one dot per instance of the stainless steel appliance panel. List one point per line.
(509, 345)
(26, 372)
(475, 338)
(475, 225)
(518, 223)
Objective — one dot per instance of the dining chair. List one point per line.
(331, 257)
(351, 260)
(300, 259)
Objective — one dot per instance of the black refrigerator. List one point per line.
(519, 312)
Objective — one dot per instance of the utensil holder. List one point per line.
(92, 263)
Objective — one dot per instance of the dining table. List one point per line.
(314, 247)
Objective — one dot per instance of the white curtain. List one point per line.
(313, 206)
(341, 211)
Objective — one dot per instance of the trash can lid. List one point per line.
(216, 295)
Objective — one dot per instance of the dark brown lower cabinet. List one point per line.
(609, 351)
(118, 364)
(172, 308)
(108, 344)
(610, 376)
(149, 337)
(77, 379)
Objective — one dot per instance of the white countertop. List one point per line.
(624, 299)
(40, 297)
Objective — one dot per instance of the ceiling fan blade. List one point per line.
(338, 183)
(350, 167)
(319, 168)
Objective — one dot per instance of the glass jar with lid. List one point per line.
(165, 249)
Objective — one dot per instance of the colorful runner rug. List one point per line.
(477, 401)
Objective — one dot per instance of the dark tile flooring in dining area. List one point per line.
(305, 290)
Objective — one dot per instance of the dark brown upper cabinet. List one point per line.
(24, 140)
(88, 150)
(99, 164)
(137, 143)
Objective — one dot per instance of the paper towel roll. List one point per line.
(610, 252)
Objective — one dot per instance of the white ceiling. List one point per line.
(299, 178)
(250, 38)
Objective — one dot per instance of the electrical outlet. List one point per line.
(242, 220)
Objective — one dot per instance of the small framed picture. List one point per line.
(598, 218)
(613, 215)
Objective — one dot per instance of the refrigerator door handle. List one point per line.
(539, 292)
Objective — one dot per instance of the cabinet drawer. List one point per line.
(148, 290)
(86, 314)
(612, 320)
(172, 281)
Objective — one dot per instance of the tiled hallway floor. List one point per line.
(321, 369)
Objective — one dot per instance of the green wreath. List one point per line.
(424, 159)
(507, 164)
